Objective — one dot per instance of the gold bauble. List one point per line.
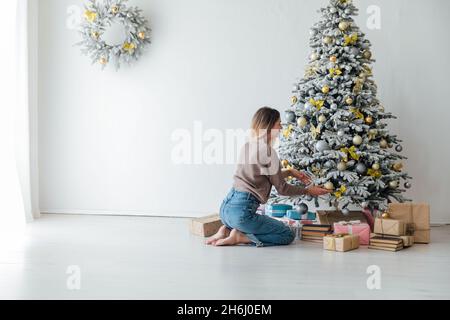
(103, 60)
(376, 166)
(302, 122)
(329, 185)
(349, 101)
(141, 35)
(325, 89)
(114, 9)
(294, 100)
(383, 144)
(385, 215)
(369, 120)
(328, 40)
(284, 163)
(381, 109)
(314, 56)
(94, 34)
(397, 166)
(333, 59)
(343, 25)
(367, 54)
(322, 118)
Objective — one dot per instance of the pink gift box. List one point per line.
(354, 227)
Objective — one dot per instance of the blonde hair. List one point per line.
(263, 121)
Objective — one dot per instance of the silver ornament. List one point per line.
(290, 116)
(407, 185)
(308, 106)
(312, 92)
(345, 212)
(355, 51)
(308, 197)
(341, 133)
(334, 106)
(328, 164)
(361, 168)
(398, 148)
(322, 145)
(303, 208)
(333, 10)
(393, 184)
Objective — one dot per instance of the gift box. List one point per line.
(333, 216)
(277, 210)
(341, 242)
(354, 227)
(408, 241)
(309, 216)
(391, 227)
(416, 216)
(205, 226)
(293, 214)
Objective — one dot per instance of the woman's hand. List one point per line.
(302, 176)
(316, 191)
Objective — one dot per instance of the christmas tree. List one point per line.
(335, 128)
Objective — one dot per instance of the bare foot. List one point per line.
(221, 234)
(235, 237)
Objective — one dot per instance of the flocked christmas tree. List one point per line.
(336, 127)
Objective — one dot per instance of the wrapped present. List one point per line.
(391, 227)
(408, 241)
(309, 216)
(354, 227)
(332, 216)
(277, 210)
(205, 226)
(293, 214)
(341, 242)
(416, 216)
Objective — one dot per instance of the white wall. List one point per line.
(104, 137)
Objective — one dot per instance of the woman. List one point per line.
(258, 170)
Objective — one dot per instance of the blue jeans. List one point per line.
(238, 211)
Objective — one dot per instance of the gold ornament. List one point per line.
(322, 118)
(381, 109)
(340, 192)
(350, 40)
(397, 166)
(141, 35)
(385, 215)
(294, 100)
(357, 88)
(344, 25)
(333, 59)
(376, 166)
(372, 134)
(352, 151)
(129, 47)
(302, 122)
(325, 89)
(357, 113)
(349, 101)
(367, 54)
(314, 56)
(103, 60)
(317, 103)
(287, 131)
(327, 40)
(369, 120)
(284, 163)
(90, 15)
(329, 185)
(114, 9)
(374, 173)
(334, 72)
(315, 131)
(94, 34)
(383, 144)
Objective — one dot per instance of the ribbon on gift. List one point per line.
(349, 224)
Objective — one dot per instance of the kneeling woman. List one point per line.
(259, 169)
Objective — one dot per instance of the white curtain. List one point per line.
(16, 161)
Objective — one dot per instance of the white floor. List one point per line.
(157, 258)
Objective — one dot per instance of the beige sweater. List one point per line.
(259, 169)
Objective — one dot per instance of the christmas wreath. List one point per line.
(98, 17)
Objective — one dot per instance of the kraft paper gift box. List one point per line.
(341, 242)
(417, 218)
(354, 227)
(390, 227)
(205, 226)
(332, 216)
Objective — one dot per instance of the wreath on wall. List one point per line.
(98, 18)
